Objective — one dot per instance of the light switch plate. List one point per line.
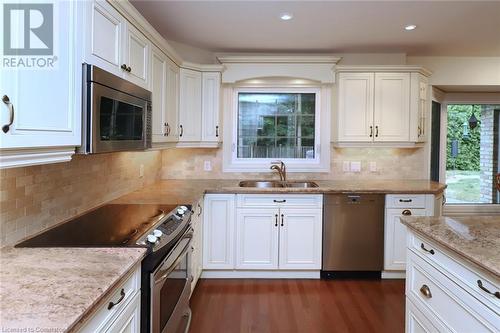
(207, 166)
(346, 166)
(355, 166)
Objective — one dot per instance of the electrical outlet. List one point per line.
(346, 166)
(207, 166)
(141, 170)
(373, 166)
(355, 166)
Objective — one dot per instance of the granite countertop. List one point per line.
(189, 191)
(475, 238)
(55, 289)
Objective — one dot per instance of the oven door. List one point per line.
(119, 121)
(170, 289)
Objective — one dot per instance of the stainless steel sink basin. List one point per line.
(261, 184)
(301, 184)
(275, 184)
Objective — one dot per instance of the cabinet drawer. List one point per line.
(468, 279)
(104, 316)
(405, 201)
(279, 200)
(428, 289)
(418, 320)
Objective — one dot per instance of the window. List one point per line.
(472, 154)
(285, 123)
(276, 125)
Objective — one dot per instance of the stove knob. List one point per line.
(152, 239)
(180, 212)
(157, 233)
(184, 208)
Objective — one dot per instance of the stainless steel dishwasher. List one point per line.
(353, 235)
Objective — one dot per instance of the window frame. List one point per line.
(445, 99)
(321, 161)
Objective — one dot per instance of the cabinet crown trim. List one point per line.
(278, 58)
(397, 68)
(202, 67)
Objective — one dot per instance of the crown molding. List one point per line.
(202, 67)
(396, 68)
(256, 58)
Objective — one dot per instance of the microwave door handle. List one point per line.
(170, 268)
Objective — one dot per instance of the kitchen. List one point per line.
(159, 173)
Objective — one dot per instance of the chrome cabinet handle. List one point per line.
(371, 131)
(406, 212)
(282, 219)
(217, 131)
(279, 201)
(10, 106)
(376, 131)
(422, 246)
(275, 220)
(182, 130)
(122, 296)
(426, 291)
(480, 285)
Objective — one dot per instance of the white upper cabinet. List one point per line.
(115, 45)
(210, 106)
(392, 107)
(159, 94)
(41, 107)
(104, 37)
(257, 238)
(136, 56)
(387, 107)
(300, 238)
(171, 120)
(355, 112)
(190, 106)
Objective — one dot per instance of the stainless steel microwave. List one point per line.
(116, 113)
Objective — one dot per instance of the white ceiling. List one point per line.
(452, 28)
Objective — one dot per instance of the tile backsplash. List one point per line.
(37, 197)
(391, 163)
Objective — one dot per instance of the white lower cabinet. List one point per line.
(395, 232)
(442, 292)
(121, 310)
(218, 231)
(197, 247)
(271, 233)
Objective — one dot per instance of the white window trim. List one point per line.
(321, 162)
(446, 99)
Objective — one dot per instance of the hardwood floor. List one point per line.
(298, 306)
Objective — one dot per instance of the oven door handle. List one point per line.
(165, 272)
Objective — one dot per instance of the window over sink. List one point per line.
(279, 123)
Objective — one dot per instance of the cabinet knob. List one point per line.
(124, 67)
(282, 219)
(371, 131)
(376, 131)
(182, 130)
(10, 106)
(275, 220)
(406, 212)
(426, 291)
(217, 131)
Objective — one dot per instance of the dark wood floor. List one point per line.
(298, 306)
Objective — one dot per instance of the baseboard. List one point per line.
(393, 274)
(230, 274)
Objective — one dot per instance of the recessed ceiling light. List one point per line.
(286, 16)
(410, 27)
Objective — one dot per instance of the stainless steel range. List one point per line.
(165, 230)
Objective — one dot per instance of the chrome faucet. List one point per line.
(281, 168)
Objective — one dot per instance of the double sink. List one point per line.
(277, 184)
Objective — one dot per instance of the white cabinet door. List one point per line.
(129, 321)
(392, 107)
(46, 102)
(136, 56)
(395, 237)
(355, 114)
(190, 106)
(419, 105)
(197, 247)
(218, 231)
(257, 238)
(172, 102)
(210, 107)
(159, 94)
(104, 36)
(300, 238)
